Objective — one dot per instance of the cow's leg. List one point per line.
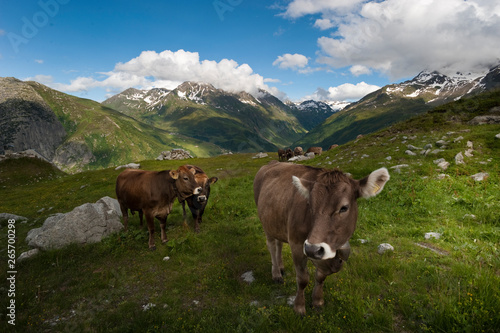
(273, 250)
(125, 216)
(150, 220)
(140, 216)
(317, 294)
(183, 204)
(300, 262)
(279, 257)
(163, 225)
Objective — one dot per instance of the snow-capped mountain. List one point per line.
(311, 113)
(200, 110)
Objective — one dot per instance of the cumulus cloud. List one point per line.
(291, 61)
(402, 37)
(358, 70)
(344, 92)
(168, 69)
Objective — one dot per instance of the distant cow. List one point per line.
(298, 151)
(315, 150)
(333, 146)
(153, 193)
(315, 211)
(198, 202)
(289, 153)
(281, 155)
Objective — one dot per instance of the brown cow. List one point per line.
(314, 211)
(298, 151)
(153, 193)
(315, 150)
(289, 153)
(198, 202)
(281, 155)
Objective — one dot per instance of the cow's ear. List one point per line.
(301, 187)
(213, 180)
(192, 170)
(174, 174)
(374, 183)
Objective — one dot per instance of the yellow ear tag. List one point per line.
(376, 188)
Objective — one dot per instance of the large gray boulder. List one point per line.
(88, 223)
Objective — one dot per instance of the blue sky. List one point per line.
(299, 49)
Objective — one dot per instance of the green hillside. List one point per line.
(445, 284)
(237, 122)
(110, 136)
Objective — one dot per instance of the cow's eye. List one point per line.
(344, 209)
(186, 178)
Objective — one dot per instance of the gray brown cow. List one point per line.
(314, 211)
(153, 193)
(315, 150)
(198, 202)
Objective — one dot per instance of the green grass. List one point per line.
(104, 287)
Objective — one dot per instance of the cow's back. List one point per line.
(279, 204)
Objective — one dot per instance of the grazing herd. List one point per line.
(314, 210)
(288, 153)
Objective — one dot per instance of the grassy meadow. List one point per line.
(450, 284)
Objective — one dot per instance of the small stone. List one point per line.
(248, 277)
(470, 216)
(480, 176)
(444, 165)
(409, 152)
(167, 258)
(440, 143)
(430, 235)
(428, 146)
(384, 247)
(459, 158)
(460, 138)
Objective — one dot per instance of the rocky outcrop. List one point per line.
(87, 223)
(73, 154)
(174, 154)
(26, 120)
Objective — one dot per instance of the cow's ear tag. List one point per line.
(174, 174)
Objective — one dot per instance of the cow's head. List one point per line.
(204, 183)
(185, 182)
(333, 206)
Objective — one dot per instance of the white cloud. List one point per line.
(402, 37)
(324, 24)
(298, 8)
(2, 32)
(168, 69)
(358, 70)
(39, 61)
(344, 92)
(291, 61)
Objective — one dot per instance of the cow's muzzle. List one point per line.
(202, 198)
(323, 251)
(197, 190)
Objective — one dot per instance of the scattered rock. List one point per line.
(480, 176)
(87, 223)
(412, 147)
(459, 158)
(428, 146)
(28, 254)
(444, 165)
(442, 176)
(469, 216)
(174, 154)
(260, 155)
(460, 138)
(17, 218)
(436, 151)
(388, 158)
(430, 235)
(384, 247)
(488, 119)
(497, 136)
(128, 166)
(248, 277)
(148, 306)
(409, 152)
(441, 143)
(167, 258)
(469, 144)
